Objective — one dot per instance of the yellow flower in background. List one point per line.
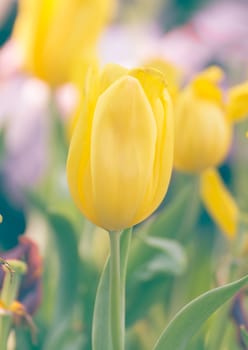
(237, 103)
(203, 135)
(121, 152)
(202, 131)
(58, 37)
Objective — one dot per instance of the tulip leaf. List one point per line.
(101, 338)
(190, 318)
(244, 335)
(166, 223)
(167, 257)
(65, 337)
(66, 243)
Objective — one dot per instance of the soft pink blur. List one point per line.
(23, 115)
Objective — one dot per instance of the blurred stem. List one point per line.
(219, 325)
(117, 294)
(8, 294)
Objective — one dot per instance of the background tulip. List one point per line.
(57, 36)
(203, 132)
(204, 129)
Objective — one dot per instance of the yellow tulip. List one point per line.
(58, 36)
(203, 135)
(203, 132)
(121, 152)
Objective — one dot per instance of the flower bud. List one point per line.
(203, 132)
(121, 151)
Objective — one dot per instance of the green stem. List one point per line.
(8, 294)
(117, 294)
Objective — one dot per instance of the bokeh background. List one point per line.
(41, 224)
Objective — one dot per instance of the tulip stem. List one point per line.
(13, 271)
(117, 318)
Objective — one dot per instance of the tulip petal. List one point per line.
(237, 105)
(219, 202)
(207, 90)
(78, 162)
(172, 74)
(154, 86)
(89, 90)
(123, 145)
(110, 74)
(213, 74)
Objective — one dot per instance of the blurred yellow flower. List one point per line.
(237, 106)
(58, 37)
(203, 135)
(204, 121)
(121, 152)
(202, 131)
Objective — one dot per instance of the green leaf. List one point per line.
(244, 334)
(189, 319)
(67, 253)
(66, 243)
(101, 319)
(167, 257)
(65, 337)
(166, 222)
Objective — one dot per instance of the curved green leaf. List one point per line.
(66, 243)
(166, 224)
(189, 319)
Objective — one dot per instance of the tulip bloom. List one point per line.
(203, 135)
(121, 152)
(203, 132)
(58, 36)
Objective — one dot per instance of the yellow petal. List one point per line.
(213, 74)
(123, 145)
(78, 162)
(89, 90)
(110, 74)
(219, 202)
(154, 86)
(205, 89)
(172, 74)
(237, 103)
(205, 85)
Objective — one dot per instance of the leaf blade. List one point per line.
(190, 318)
